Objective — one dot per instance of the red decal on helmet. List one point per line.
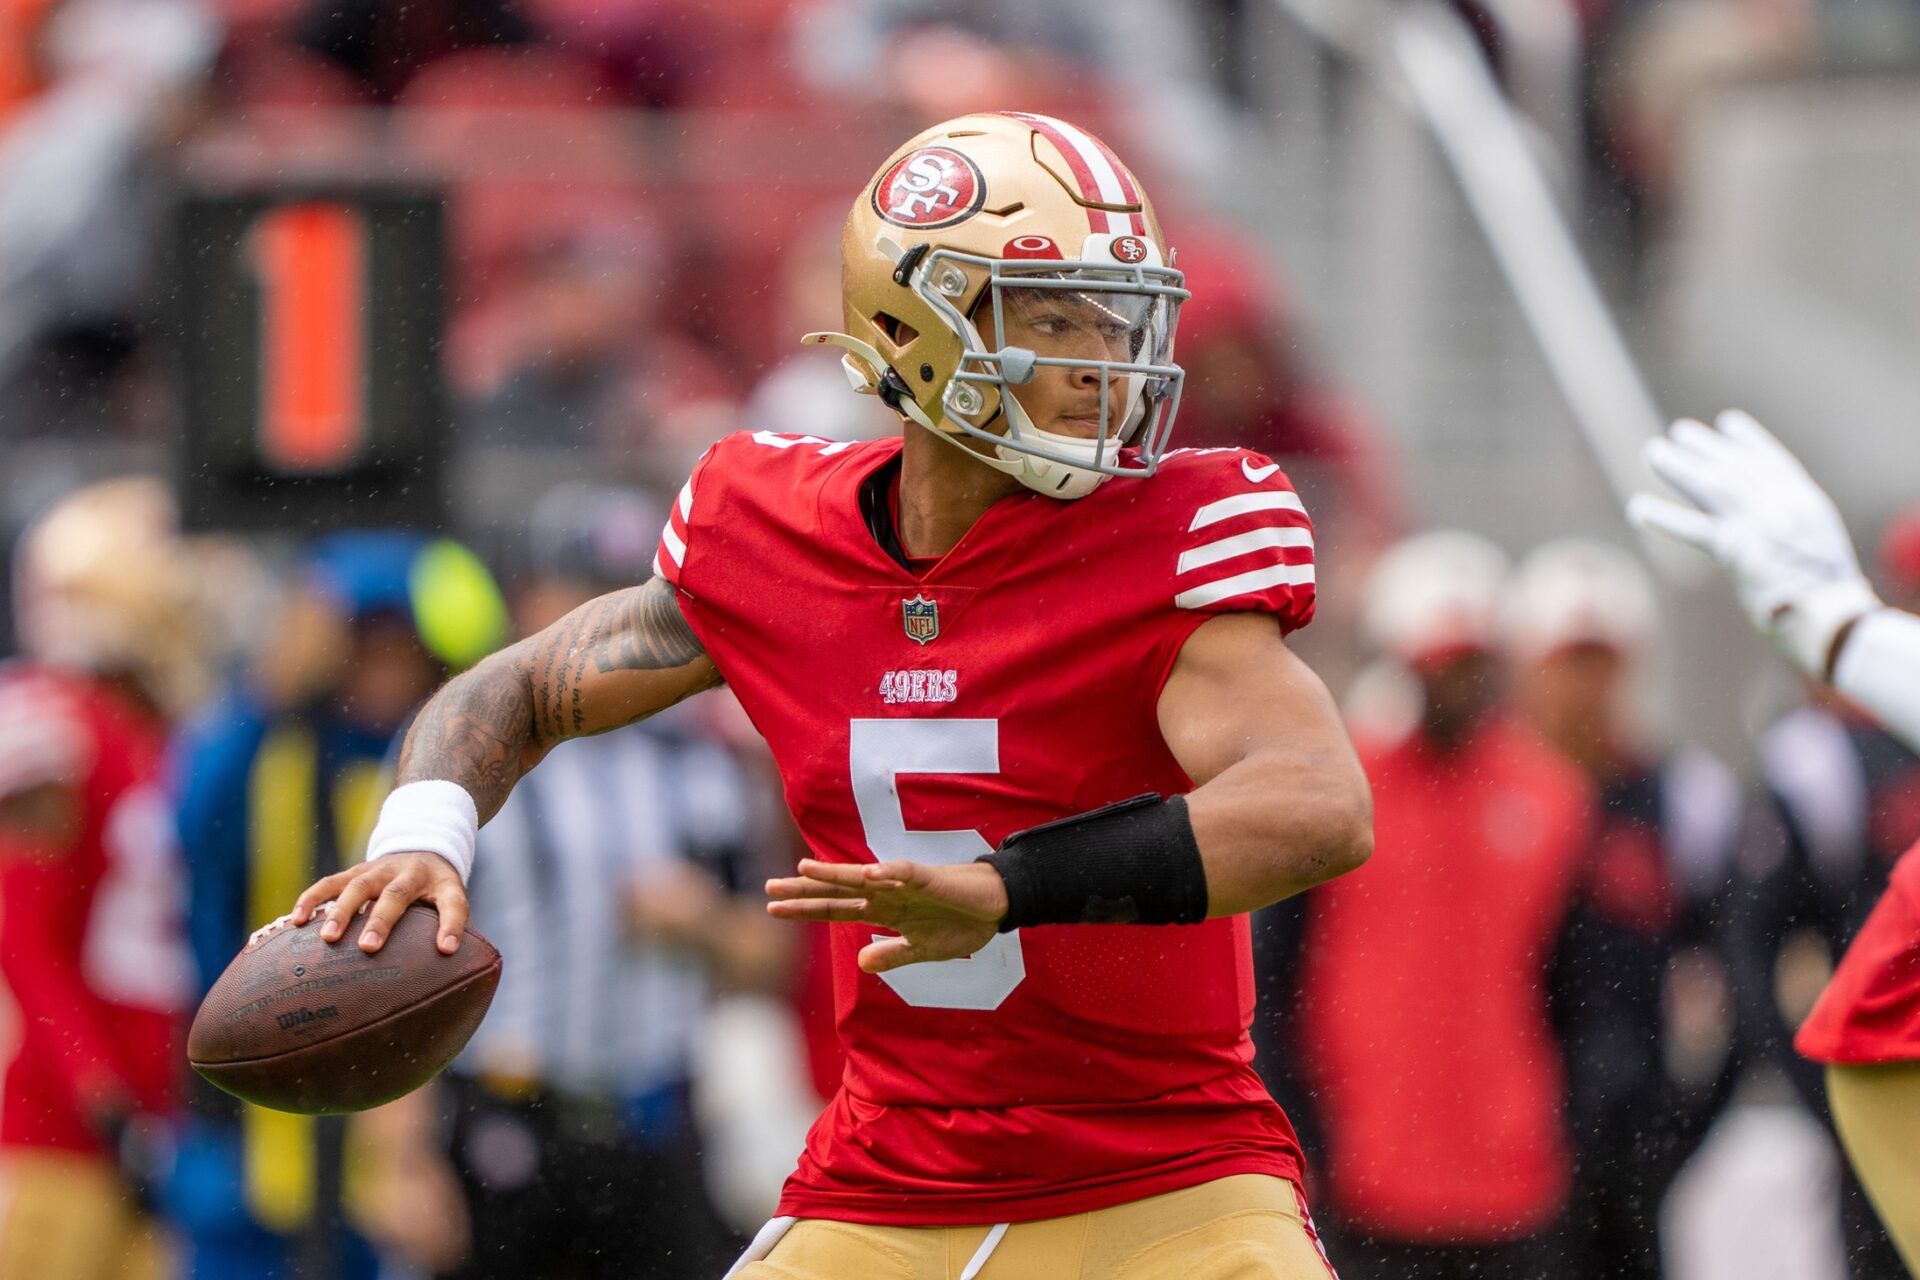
(1030, 247)
(929, 188)
(1129, 249)
(1104, 182)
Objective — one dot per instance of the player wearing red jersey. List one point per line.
(1021, 715)
(1753, 507)
(92, 888)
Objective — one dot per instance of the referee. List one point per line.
(608, 883)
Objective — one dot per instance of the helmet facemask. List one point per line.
(1113, 321)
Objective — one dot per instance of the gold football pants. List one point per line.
(1877, 1110)
(65, 1216)
(1247, 1227)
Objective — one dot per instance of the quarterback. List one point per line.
(1024, 674)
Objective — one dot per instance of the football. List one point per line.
(299, 1025)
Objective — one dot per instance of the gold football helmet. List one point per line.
(1009, 224)
(104, 582)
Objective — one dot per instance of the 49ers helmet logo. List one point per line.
(929, 188)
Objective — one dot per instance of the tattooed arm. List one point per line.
(610, 662)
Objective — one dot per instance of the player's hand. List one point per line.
(940, 913)
(1757, 512)
(392, 884)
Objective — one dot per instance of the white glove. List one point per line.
(1776, 533)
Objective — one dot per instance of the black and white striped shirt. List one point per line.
(583, 1006)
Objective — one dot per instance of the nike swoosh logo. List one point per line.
(1257, 474)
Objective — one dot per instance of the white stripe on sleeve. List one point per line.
(670, 543)
(686, 499)
(1290, 575)
(1241, 504)
(1282, 536)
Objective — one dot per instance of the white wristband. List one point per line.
(1880, 670)
(428, 817)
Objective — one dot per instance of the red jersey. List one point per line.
(1870, 1011)
(92, 936)
(1424, 986)
(927, 716)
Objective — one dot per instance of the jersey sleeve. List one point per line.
(670, 560)
(1242, 541)
(744, 493)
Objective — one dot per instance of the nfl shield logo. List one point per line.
(921, 617)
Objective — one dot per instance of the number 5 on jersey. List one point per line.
(881, 751)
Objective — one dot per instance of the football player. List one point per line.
(93, 943)
(1638, 988)
(1024, 674)
(1754, 509)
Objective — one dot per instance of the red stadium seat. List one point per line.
(492, 225)
(279, 77)
(505, 78)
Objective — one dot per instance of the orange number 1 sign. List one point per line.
(310, 260)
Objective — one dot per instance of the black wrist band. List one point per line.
(1135, 862)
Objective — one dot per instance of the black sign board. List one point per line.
(309, 327)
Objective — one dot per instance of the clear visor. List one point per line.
(1095, 337)
(1100, 326)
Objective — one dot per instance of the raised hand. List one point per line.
(1751, 506)
(940, 913)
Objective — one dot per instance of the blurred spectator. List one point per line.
(569, 355)
(551, 357)
(655, 53)
(1423, 1027)
(92, 936)
(80, 199)
(383, 43)
(622, 877)
(1841, 804)
(279, 781)
(1664, 59)
(1644, 1000)
(1141, 63)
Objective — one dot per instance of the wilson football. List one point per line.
(299, 1025)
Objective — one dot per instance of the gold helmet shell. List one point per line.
(104, 582)
(1006, 201)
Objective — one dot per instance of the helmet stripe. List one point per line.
(1127, 187)
(1102, 178)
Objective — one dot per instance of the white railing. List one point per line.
(1423, 58)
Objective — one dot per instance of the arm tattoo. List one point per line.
(654, 633)
(479, 729)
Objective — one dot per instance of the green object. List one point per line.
(457, 606)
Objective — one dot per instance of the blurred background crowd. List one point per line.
(342, 341)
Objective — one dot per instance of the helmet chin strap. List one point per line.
(1056, 478)
(865, 369)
